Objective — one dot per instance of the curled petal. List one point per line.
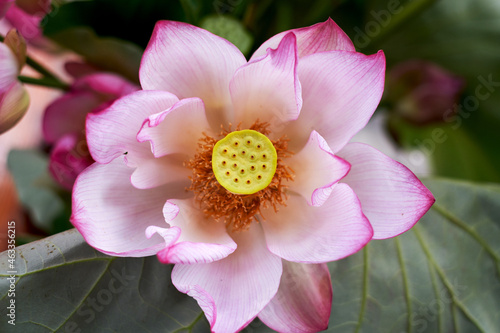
(308, 234)
(191, 62)
(232, 291)
(268, 88)
(341, 91)
(112, 132)
(303, 301)
(177, 129)
(321, 37)
(201, 240)
(317, 169)
(391, 196)
(112, 215)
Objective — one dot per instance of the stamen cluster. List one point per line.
(237, 211)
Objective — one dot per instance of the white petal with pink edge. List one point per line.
(176, 130)
(341, 90)
(191, 62)
(303, 233)
(268, 87)
(232, 291)
(112, 132)
(316, 170)
(153, 172)
(201, 239)
(112, 215)
(321, 37)
(391, 196)
(303, 301)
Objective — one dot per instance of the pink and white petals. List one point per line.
(268, 87)
(341, 91)
(170, 169)
(112, 132)
(191, 62)
(317, 169)
(202, 240)
(304, 299)
(391, 196)
(177, 129)
(112, 215)
(8, 68)
(232, 291)
(321, 37)
(307, 234)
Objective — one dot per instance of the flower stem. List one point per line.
(42, 70)
(409, 11)
(45, 82)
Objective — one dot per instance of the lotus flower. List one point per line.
(241, 173)
(64, 122)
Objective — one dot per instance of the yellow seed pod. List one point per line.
(244, 162)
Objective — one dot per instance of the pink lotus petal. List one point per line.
(191, 62)
(105, 83)
(4, 7)
(112, 215)
(321, 37)
(232, 291)
(68, 158)
(27, 24)
(303, 301)
(35, 7)
(155, 172)
(8, 68)
(316, 170)
(66, 115)
(112, 132)
(201, 240)
(308, 234)
(268, 88)
(391, 196)
(341, 90)
(176, 130)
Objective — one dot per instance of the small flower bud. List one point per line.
(13, 105)
(421, 91)
(16, 42)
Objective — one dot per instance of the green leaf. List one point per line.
(441, 276)
(35, 187)
(110, 54)
(63, 285)
(230, 29)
